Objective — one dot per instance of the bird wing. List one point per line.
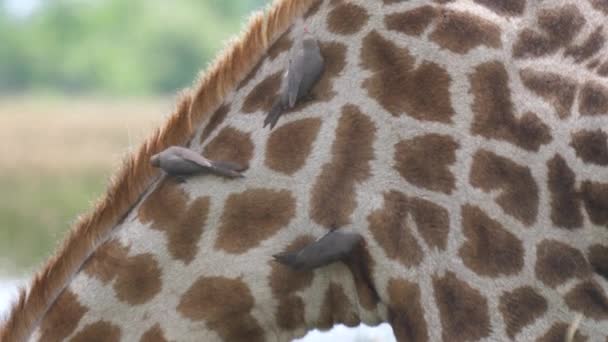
(194, 157)
(295, 74)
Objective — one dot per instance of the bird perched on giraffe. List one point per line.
(306, 65)
(182, 162)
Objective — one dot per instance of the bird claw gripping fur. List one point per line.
(333, 246)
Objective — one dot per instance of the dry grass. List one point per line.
(55, 158)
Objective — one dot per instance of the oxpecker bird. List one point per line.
(305, 67)
(333, 246)
(180, 162)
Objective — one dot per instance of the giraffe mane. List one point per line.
(126, 187)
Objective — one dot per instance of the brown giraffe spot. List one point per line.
(284, 43)
(432, 221)
(494, 110)
(284, 282)
(557, 262)
(593, 99)
(588, 298)
(389, 228)
(100, 331)
(216, 119)
(518, 194)
(559, 27)
(412, 22)
(313, 9)
(361, 266)
(461, 32)
(595, 197)
(168, 211)
(62, 317)
(154, 334)
(333, 195)
(565, 205)
(425, 160)
(510, 8)
(230, 144)
(225, 305)
(253, 216)
(406, 314)
(593, 64)
(290, 312)
(558, 90)
(421, 93)
(589, 47)
(598, 258)
(591, 146)
(600, 5)
(138, 278)
(558, 333)
(603, 69)
(263, 94)
(346, 19)
(463, 310)
(289, 145)
(520, 308)
(490, 249)
(336, 309)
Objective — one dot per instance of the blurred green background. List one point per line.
(82, 82)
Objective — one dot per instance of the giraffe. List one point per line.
(465, 141)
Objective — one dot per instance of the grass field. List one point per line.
(56, 156)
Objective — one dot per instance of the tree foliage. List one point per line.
(134, 47)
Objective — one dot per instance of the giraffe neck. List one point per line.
(464, 140)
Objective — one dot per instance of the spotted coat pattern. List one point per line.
(467, 141)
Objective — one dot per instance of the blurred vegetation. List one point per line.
(115, 47)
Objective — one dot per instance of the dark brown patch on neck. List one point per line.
(336, 309)
(463, 310)
(154, 334)
(232, 145)
(565, 205)
(598, 258)
(520, 308)
(421, 93)
(557, 262)
(591, 146)
(361, 266)
(333, 197)
(593, 99)
(284, 43)
(490, 249)
(346, 19)
(62, 318)
(216, 119)
(518, 190)
(168, 211)
(461, 32)
(138, 277)
(595, 197)
(253, 216)
(225, 305)
(509, 8)
(588, 298)
(412, 22)
(600, 5)
(285, 282)
(406, 314)
(289, 146)
(558, 90)
(425, 160)
(494, 112)
(592, 45)
(263, 95)
(98, 332)
(390, 230)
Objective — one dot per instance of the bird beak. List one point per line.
(155, 160)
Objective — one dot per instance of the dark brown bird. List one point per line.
(305, 67)
(333, 246)
(181, 162)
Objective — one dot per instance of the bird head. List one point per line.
(155, 160)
